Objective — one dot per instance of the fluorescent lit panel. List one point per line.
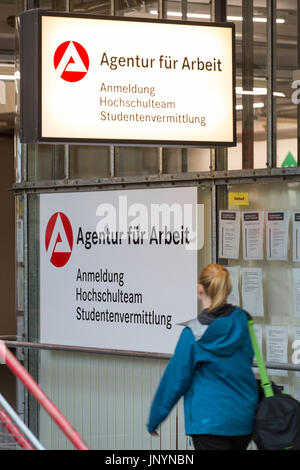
(239, 107)
(178, 14)
(7, 77)
(206, 16)
(258, 91)
(256, 19)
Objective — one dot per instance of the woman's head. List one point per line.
(215, 283)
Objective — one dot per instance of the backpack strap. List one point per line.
(265, 381)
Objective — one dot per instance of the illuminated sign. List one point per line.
(126, 81)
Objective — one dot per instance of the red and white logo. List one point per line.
(71, 61)
(59, 239)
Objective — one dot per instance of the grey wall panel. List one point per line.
(107, 400)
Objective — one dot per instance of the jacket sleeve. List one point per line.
(175, 381)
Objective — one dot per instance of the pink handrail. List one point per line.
(9, 359)
(14, 431)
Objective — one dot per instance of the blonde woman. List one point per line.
(212, 368)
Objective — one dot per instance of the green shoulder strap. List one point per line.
(265, 381)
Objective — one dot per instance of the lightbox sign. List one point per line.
(126, 81)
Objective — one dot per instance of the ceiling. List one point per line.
(286, 46)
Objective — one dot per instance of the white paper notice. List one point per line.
(234, 296)
(296, 351)
(252, 291)
(296, 236)
(253, 231)
(229, 234)
(296, 291)
(296, 393)
(277, 228)
(277, 346)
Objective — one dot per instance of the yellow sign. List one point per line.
(238, 199)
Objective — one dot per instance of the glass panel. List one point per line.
(172, 160)
(191, 11)
(251, 84)
(198, 159)
(277, 276)
(288, 83)
(205, 254)
(191, 159)
(45, 162)
(136, 161)
(94, 8)
(137, 8)
(55, 5)
(181, 160)
(88, 161)
(32, 326)
(33, 267)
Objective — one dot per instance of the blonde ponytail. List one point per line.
(217, 284)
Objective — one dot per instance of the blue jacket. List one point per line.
(212, 369)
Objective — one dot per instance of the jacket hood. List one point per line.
(224, 334)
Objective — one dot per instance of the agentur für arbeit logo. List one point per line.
(71, 61)
(59, 239)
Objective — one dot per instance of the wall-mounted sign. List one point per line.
(238, 199)
(118, 269)
(126, 81)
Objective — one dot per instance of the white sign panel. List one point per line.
(118, 269)
(136, 80)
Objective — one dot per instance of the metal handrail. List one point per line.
(81, 349)
(9, 337)
(21, 373)
(14, 418)
(14, 431)
(116, 352)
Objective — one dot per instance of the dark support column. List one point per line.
(220, 10)
(162, 151)
(219, 155)
(162, 9)
(247, 84)
(32, 4)
(184, 151)
(271, 75)
(184, 9)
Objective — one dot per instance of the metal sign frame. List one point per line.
(31, 83)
